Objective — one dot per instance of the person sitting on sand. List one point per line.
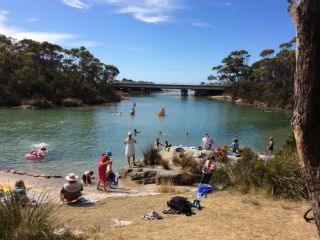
(19, 192)
(87, 176)
(102, 168)
(167, 145)
(112, 179)
(234, 145)
(71, 191)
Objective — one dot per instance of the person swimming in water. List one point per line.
(135, 131)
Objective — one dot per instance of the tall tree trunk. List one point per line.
(306, 118)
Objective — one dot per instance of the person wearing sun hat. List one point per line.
(102, 168)
(71, 191)
(129, 150)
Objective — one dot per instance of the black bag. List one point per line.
(180, 204)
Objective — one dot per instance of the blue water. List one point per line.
(76, 137)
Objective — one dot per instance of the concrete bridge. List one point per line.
(146, 88)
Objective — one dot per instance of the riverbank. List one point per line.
(225, 215)
(256, 104)
(37, 186)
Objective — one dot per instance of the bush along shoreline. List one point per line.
(268, 81)
(280, 176)
(34, 74)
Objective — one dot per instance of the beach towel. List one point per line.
(204, 189)
(83, 201)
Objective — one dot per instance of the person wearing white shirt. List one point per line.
(206, 142)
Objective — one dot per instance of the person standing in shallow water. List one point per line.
(270, 145)
(129, 150)
(206, 142)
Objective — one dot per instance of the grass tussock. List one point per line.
(176, 160)
(165, 164)
(221, 156)
(187, 162)
(284, 178)
(167, 186)
(151, 156)
(30, 222)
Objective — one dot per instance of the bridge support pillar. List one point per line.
(184, 92)
(146, 91)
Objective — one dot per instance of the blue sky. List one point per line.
(172, 41)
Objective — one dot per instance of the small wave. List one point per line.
(39, 145)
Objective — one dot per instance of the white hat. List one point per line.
(72, 177)
(129, 133)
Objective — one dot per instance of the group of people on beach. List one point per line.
(71, 191)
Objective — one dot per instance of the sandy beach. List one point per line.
(225, 215)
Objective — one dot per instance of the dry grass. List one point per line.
(167, 186)
(165, 164)
(176, 160)
(226, 215)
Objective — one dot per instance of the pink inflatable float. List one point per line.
(34, 156)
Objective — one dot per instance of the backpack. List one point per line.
(180, 204)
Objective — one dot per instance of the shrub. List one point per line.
(165, 164)
(283, 176)
(220, 176)
(221, 156)
(176, 160)
(151, 156)
(30, 222)
(189, 163)
(248, 171)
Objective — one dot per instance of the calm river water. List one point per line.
(76, 137)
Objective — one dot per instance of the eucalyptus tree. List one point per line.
(306, 118)
(233, 68)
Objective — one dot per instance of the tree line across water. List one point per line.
(268, 80)
(45, 74)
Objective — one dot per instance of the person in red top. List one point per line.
(102, 168)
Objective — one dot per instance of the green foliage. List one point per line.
(248, 171)
(233, 68)
(280, 176)
(31, 70)
(151, 156)
(269, 80)
(221, 176)
(283, 176)
(30, 222)
(290, 143)
(221, 156)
